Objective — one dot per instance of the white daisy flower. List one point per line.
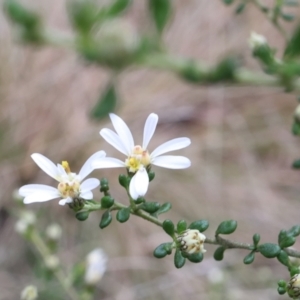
(70, 184)
(138, 160)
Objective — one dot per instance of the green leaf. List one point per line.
(201, 225)
(240, 8)
(168, 227)
(283, 258)
(228, 2)
(181, 226)
(282, 283)
(269, 250)
(195, 257)
(256, 239)
(123, 214)
(106, 104)
(107, 202)
(82, 215)
(226, 227)
(249, 258)
(123, 180)
(104, 187)
(295, 230)
(164, 208)
(287, 17)
(151, 175)
(105, 220)
(161, 251)
(281, 290)
(296, 164)
(160, 11)
(286, 239)
(219, 253)
(179, 260)
(293, 47)
(116, 8)
(296, 128)
(150, 207)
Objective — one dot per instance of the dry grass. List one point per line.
(241, 153)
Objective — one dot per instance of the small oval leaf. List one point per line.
(160, 251)
(195, 257)
(219, 253)
(164, 208)
(107, 202)
(249, 258)
(181, 226)
(105, 220)
(201, 225)
(82, 215)
(283, 258)
(179, 260)
(269, 250)
(123, 214)
(227, 227)
(160, 12)
(256, 239)
(168, 227)
(150, 207)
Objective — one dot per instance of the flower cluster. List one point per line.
(138, 163)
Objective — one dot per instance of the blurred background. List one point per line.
(241, 154)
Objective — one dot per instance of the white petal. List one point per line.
(107, 162)
(65, 201)
(149, 129)
(41, 196)
(171, 145)
(88, 195)
(87, 167)
(45, 164)
(113, 139)
(123, 131)
(89, 184)
(25, 190)
(139, 184)
(171, 162)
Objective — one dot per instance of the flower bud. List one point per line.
(297, 114)
(53, 232)
(52, 262)
(29, 293)
(256, 40)
(191, 241)
(95, 266)
(293, 287)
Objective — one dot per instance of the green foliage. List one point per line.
(269, 250)
(164, 208)
(123, 214)
(294, 231)
(104, 187)
(107, 202)
(151, 175)
(292, 49)
(201, 225)
(219, 253)
(162, 250)
(116, 8)
(123, 180)
(106, 103)
(226, 227)
(296, 128)
(82, 215)
(168, 227)
(181, 226)
(283, 258)
(256, 239)
(286, 239)
(160, 11)
(150, 207)
(296, 164)
(228, 2)
(179, 260)
(194, 258)
(248, 259)
(240, 8)
(105, 220)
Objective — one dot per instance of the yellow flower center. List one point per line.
(138, 158)
(69, 189)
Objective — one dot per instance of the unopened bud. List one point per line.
(293, 287)
(191, 241)
(95, 266)
(53, 232)
(29, 293)
(52, 262)
(297, 114)
(256, 40)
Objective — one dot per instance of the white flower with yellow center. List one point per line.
(138, 159)
(70, 184)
